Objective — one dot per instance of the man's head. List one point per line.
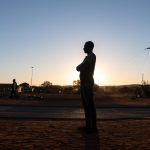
(14, 80)
(88, 47)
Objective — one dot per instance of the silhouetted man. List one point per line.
(14, 89)
(86, 69)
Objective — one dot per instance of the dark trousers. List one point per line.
(88, 105)
(13, 93)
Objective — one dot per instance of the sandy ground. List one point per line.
(63, 134)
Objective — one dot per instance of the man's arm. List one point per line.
(79, 67)
(83, 65)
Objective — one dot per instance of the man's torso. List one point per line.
(87, 72)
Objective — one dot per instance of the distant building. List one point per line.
(5, 89)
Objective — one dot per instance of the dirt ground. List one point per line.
(74, 100)
(63, 134)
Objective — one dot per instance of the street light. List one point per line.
(147, 48)
(31, 75)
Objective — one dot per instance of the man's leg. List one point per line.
(11, 94)
(85, 105)
(89, 108)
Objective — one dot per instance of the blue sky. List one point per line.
(49, 35)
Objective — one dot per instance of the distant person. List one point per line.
(14, 89)
(86, 69)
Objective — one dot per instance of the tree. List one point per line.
(76, 83)
(46, 84)
(24, 85)
(76, 86)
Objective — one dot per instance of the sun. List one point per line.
(99, 77)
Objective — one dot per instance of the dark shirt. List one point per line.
(86, 69)
(14, 86)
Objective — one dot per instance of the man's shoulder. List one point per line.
(92, 55)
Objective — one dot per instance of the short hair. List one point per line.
(89, 44)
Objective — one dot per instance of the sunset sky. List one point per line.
(49, 35)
